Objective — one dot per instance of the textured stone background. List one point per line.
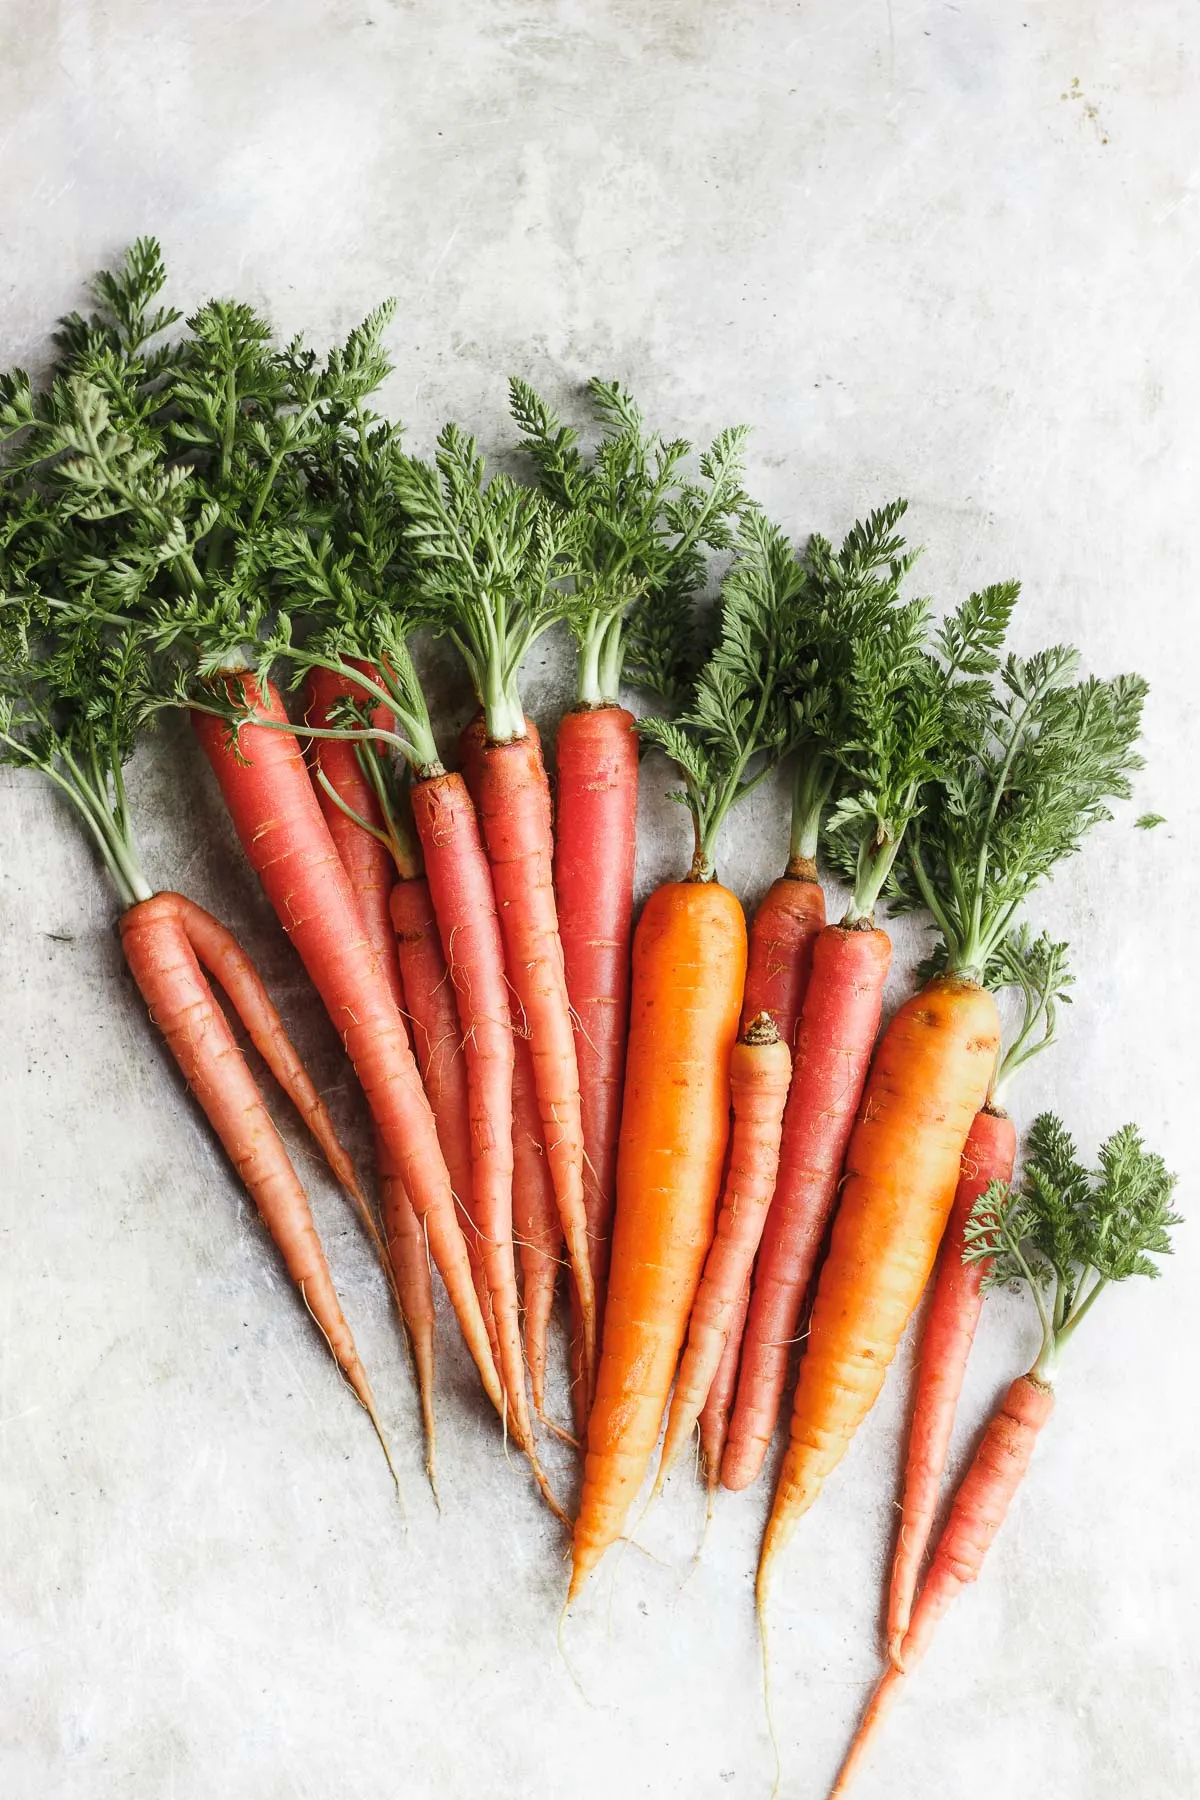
(949, 251)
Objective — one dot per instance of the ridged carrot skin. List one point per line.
(594, 851)
(949, 1331)
(929, 1078)
(689, 967)
(760, 1070)
(715, 1413)
(156, 939)
(839, 1022)
(372, 874)
(284, 835)
(783, 932)
(464, 905)
(979, 1510)
(514, 812)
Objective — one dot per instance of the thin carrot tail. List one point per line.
(880, 1705)
(218, 951)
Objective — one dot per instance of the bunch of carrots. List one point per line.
(698, 1118)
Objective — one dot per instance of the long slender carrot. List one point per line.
(954, 1309)
(156, 939)
(689, 964)
(371, 869)
(465, 907)
(596, 752)
(929, 1078)
(839, 1022)
(759, 1073)
(537, 1229)
(267, 790)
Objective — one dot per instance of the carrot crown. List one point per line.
(490, 557)
(638, 527)
(1037, 758)
(739, 720)
(1067, 1232)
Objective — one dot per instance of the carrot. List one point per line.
(357, 826)
(281, 828)
(488, 554)
(782, 933)
(637, 530)
(689, 970)
(929, 1078)
(157, 938)
(537, 1229)
(1038, 968)
(714, 1414)
(689, 961)
(838, 1026)
(596, 838)
(1067, 1234)
(945, 1344)
(759, 1073)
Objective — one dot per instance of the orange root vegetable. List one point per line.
(157, 941)
(760, 1070)
(372, 872)
(689, 965)
(979, 1510)
(839, 1021)
(537, 1228)
(284, 835)
(464, 905)
(929, 1078)
(595, 845)
(714, 1415)
(782, 934)
(513, 798)
(945, 1346)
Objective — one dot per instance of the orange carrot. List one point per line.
(157, 938)
(279, 822)
(929, 1078)
(839, 1021)
(689, 964)
(344, 790)
(759, 1072)
(945, 1344)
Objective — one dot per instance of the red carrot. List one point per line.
(714, 1415)
(537, 1229)
(838, 1026)
(277, 817)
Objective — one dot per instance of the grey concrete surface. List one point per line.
(944, 250)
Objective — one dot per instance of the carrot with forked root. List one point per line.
(1067, 1234)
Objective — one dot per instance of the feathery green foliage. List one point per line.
(1069, 1232)
(639, 528)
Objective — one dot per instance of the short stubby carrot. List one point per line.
(839, 1021)
(282, 830)
(596, 752)
(783, 932)
(156, 936)
(514, 813)
(979, 1510)
(760, 1070)
(929, 1078)
(464, 904)
(689, 966)
(946, 1340)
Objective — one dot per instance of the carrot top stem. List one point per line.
(638, 525)
(1068, 1232)
(812, 785)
